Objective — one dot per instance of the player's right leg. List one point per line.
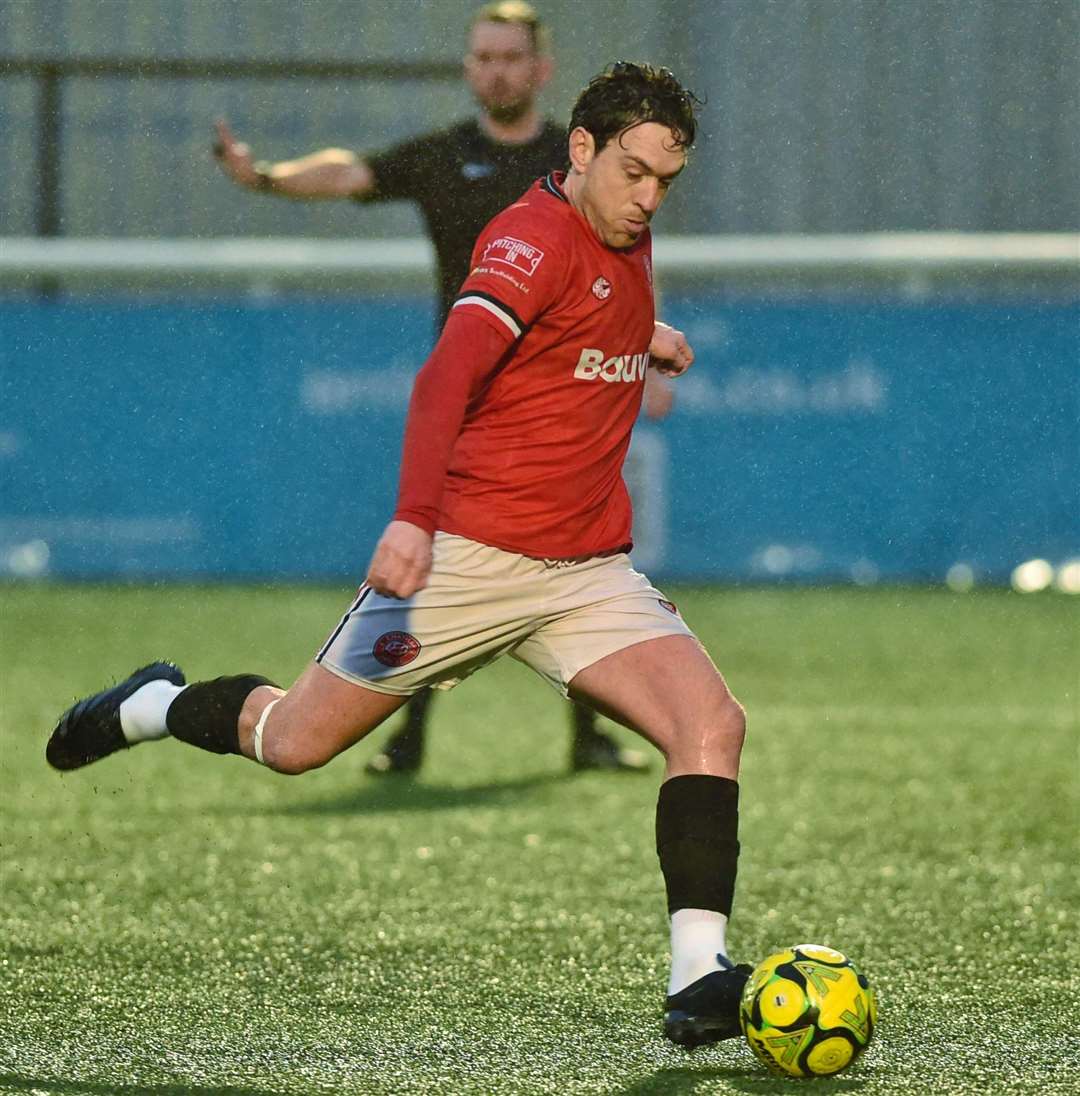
(291, 732)
(321, 716)
(382, 652)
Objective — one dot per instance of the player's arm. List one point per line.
(489, 316)
(467, 353)
(659, 396)
(331, 173)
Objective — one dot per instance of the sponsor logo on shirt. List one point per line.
(396, 648)
(477, 171)
(517, 283)
(669, 605)
(620, 367)
(647, 263)
(516, 253)
(601, 288)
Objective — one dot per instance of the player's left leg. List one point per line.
(668, 690)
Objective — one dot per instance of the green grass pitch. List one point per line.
(177, 923)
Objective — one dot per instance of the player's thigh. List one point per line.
(668, 689)
(590, 610)
(319, 717)
(653, 685)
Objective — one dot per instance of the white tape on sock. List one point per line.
(259, 727)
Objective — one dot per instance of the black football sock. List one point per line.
(697, 823)
(697, 828)
(207, 713)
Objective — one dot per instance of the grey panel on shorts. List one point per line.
(352, 648)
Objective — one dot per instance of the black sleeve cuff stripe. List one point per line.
(501, 305)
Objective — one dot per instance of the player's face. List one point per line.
(503, 70)
(621, 186)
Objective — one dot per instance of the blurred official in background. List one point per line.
(461, 177)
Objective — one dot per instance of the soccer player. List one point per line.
(511, 534)
(460, 177)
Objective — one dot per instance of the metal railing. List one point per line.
(913, 262)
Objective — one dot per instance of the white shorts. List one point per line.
(556, 616)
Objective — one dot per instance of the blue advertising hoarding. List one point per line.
(814, 440)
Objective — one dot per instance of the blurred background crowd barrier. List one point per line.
(875, 253)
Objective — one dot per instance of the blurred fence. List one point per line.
(862, 409)
(51, 78)
(819, 116)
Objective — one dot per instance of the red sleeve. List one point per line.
(467, 353)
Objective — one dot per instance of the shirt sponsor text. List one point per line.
(620, 367)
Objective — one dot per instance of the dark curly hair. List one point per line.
(626, 94)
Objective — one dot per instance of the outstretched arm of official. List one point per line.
(467, 353)
(331, 173)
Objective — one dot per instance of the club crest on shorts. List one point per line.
(671, 607)
(396, 648)
(601, 288)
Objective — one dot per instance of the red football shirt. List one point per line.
(536, 464)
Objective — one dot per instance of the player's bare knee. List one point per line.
(717, 732)
(289, 753)
(291, 762)
(722, 736)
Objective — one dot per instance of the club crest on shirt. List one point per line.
(513, 252)
(396, 648)
(601, 288)
(647, 263)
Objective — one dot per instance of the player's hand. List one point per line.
(669, 350)
(402, 560)
(658, 397)
(234, 157)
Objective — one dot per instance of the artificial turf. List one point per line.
(173, 922)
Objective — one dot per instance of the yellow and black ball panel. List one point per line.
(767, 968)
(781, 1052)
(821, 954)
(873, 1001)
(782, 1002)
(845, 1004)
(829, 1055)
